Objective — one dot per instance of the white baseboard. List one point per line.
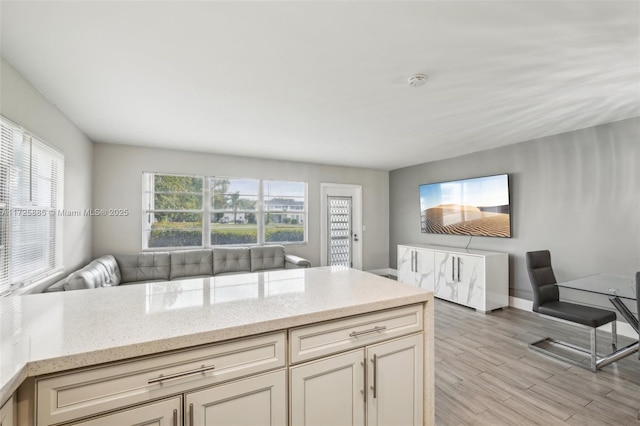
(623, 328)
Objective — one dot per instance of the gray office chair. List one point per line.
(546, 301)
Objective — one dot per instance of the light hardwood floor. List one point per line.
(486, 375)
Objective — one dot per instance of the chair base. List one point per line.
(540, 346)
(596, 362)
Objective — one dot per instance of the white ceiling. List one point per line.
(326, 82)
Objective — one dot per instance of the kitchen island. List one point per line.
(270, 330)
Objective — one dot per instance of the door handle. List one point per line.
(371, 330)
(453, 268)
(374, 388)
(161, 377)
(458, 268)
(355, 237)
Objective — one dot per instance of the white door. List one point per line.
(167, 412)
(336, 382)
(395, 374)
(258, 400)
(339, 195)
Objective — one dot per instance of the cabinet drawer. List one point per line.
(64, 397)
(336, 336)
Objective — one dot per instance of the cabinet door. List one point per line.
(424, 276)
(395, 376)
(329, 391)
(470, 281)
(7, 413)
(162, 413)
(405, 265)
(445, 283)
(257, 400)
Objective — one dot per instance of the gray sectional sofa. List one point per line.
(137, 268)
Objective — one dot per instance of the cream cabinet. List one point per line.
(416, 266)
(376, 385)
(475, 278)
(362, 370)
(338, 382)
(7, 412)
(84, 393)
(161, 413)
(257, 400)
(395, 382)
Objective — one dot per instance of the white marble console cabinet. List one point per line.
(475, 278)
(293, 347)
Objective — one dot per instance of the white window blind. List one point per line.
(32, 182)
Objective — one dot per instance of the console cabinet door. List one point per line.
(424, 269)
(257, 400)
(445, 285)
(395, 376)
(329, 391)
(416, 267)
(405, 265)
(471, 281)
(167, 412)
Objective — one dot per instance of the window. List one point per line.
(173, 211)
(285, 211)
(181, 211)
(32, 194)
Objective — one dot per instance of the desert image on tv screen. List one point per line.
(478, 207)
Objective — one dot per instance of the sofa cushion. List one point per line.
(102, 272)
(147, 266)
(229, 260)
(191, 263)
(267, 257)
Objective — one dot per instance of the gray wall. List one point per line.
(23, 104)
(576, 194)
(118, 184)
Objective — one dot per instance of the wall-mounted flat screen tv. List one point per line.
(478, 207)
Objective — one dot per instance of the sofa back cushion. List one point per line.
(191, 263)
(151, 266)
(228, 260)
(102, 272)
(267, 257)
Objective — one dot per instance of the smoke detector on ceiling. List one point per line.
(417, 80)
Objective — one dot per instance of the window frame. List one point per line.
(19, 166)
(208, 210)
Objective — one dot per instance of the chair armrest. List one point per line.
(292, 262)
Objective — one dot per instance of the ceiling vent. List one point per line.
(417, 80)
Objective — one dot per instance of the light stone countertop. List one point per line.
(46, 333)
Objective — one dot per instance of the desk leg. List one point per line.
(625, 312)
(628, 350)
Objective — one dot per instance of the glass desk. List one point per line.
(615, 288)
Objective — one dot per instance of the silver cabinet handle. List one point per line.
(453, 268)
(162, 377)
(413, 253)
(374, 388)
(175, 418)
(371, 330)
(191, 415)
(364, 393)
(458, 268)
